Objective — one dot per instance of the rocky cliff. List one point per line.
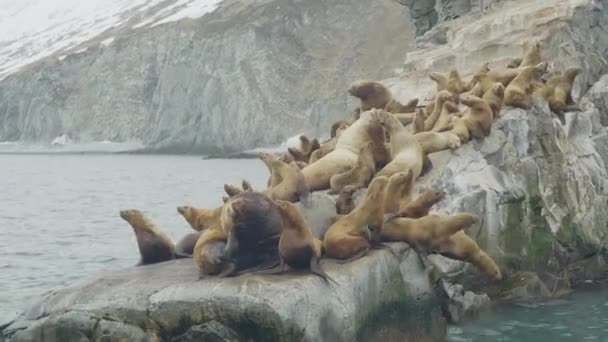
(250, 73)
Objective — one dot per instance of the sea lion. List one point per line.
(338, 127)
(420, 206)
(298, 248)
(485, 80)
(418, 123)
(431, 142)
(326, 147)
(444, 119)
(246, 186)
(440, 99)
(406, 153)
(198, 218)
(455, 84)
(185, 246)
(154, 245)
(208, 251)
(476, 120)
(479, 73)
(558, 92)
(252, 224)
(231, 190)
(298, 165)
(426, 231)
(374, 94)
(440, 80)
(359, 175)
(494, 97)
(519, 92)
(318, 173)
(288, 182)
(532, 56)
(460, 246)
(297, 155)
(398, 191)
(352, 235)
(345, 203)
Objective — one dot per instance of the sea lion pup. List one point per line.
(519, 92)
(298, 248)
(532, 56)
(338, 127)
(558, 92)
(374, 94)
(494, 97)
(421, 205)
(198, 218)
(359, 175)
(352, 235)
(406, 153)
(476, 120)
(154, 245)
(318, 173)
(208, 251)
(252, 224)
(514, 63)
(345, 203)
(426, 231)
(440, 99)
(443, 122)
(398, 191)
(290, 186)
(460, 246)
(431, 142)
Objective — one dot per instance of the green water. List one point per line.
(581, 316)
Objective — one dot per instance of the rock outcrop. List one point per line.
(383, 295)
(251, 73)
(540, 187)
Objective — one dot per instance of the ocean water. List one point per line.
(59, 222)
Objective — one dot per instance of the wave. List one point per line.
(293, 141)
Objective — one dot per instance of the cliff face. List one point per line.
(251, 73)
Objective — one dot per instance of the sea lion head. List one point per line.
(130, 214)
(376, 187)
(469, 99)
(364, 89)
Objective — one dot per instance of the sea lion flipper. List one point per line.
(228, 271)
(315, 268)
(297, 154)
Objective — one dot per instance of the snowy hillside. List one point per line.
(35, 29)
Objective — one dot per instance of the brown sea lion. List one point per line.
(420, 206)
(198, 218)
(154, 245)
(406, 153)
(431, 142)
(460, 246)
(444, 119)
(318, 173)
(345, 203)
(532, 56)
(252, 224)
(185, 246)
(558, 92)
(428, 230)
(519, 92)
(351, 236)
(494, 98)
(374, 94)
(298, 248)
(359, 175)
(476, 121)
(288, 182)
(338, 127)
(379, 149)
(398, 191)
(442, 97)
